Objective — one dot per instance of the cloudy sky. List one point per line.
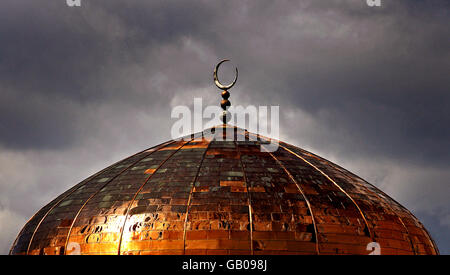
(365, 87)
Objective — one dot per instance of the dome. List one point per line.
(206, 195)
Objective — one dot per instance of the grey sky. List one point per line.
(367, 88)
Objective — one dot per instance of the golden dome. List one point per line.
(211, 196)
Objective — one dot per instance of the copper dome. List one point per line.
(209, 196)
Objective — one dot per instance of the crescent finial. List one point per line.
(225, 103)
(216, 79)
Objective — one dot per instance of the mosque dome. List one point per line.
(206, 194)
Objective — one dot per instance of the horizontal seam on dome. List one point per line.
(108, 182)
(337, 185)
(139, 190)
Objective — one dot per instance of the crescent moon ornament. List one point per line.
(216, 79)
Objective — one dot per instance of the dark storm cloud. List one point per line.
(365, 87)
(60, 57)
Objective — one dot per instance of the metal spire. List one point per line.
(225, 103)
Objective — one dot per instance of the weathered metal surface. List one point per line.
(210, 196)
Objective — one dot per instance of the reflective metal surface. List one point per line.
(208, 196)
(216, 79)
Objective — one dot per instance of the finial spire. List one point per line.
(225, 103)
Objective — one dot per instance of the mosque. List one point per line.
(219, 192)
